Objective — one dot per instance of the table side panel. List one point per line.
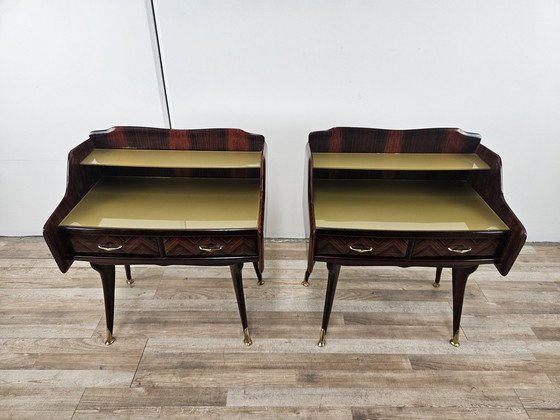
(79, 181)
(490, 189)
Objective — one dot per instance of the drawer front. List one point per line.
(456, 248)
(211, 246)
(362, 247)
(114, 245)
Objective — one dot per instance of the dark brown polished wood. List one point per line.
(221, 246)
(405, 248)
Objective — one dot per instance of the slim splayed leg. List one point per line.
(305, 281)
(107, 273)
(260, 281)
(459, 283)
(238, 287)
(438, 277)
(310, 265)
(129, 279)
(334, 271)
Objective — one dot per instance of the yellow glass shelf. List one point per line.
(400, 161)
(173, 158)
(402, 205)
(168, 203)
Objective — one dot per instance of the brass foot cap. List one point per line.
(305, 283)
(260, 282)
(322, 338)
(130, 282)
(455, 340)
(109, 339)
(436, 285)
(247, 340)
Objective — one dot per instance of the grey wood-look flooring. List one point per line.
(179, 351)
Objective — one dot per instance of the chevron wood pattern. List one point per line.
(341, 245)
(129, 245)
(211, 246)
(440, 247)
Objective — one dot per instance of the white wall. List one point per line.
(67, 68)
(281, 69)
(285, 68)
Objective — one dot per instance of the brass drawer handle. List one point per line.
(360, 250)
(210, 248)
(460, 250)
(109, 247)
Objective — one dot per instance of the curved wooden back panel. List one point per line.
(172, 139)
(376, 140)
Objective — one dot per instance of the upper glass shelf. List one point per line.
(400, 161)
(173, 158)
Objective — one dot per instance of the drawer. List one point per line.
(114, 245)
(364, 247)
(211, 246)
(456, 247)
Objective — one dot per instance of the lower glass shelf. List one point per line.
(402, 205)
(168, 203)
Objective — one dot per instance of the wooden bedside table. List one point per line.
(155, 196)
(426, 197)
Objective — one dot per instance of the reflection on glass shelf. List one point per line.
(402, 205)
(141, 158)
(168, 203)
(400, 161)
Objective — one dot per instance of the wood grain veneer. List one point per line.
(424, 197)
(140, 195)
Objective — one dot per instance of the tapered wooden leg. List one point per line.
(459, 283)
(305, 281)
(334, 271)
(438, 276)
(260, 281)
(238, 287)
(129, 280)
(107, 273)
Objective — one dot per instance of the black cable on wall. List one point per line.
(162, 73)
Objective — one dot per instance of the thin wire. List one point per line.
(168, 115)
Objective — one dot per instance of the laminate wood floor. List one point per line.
(180, 354)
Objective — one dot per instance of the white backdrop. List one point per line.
(68, 67)
(281, 69)
(285, 68)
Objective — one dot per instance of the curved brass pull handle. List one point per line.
(210, 248)
(460, 250)
(360, 250)
(109, 247)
